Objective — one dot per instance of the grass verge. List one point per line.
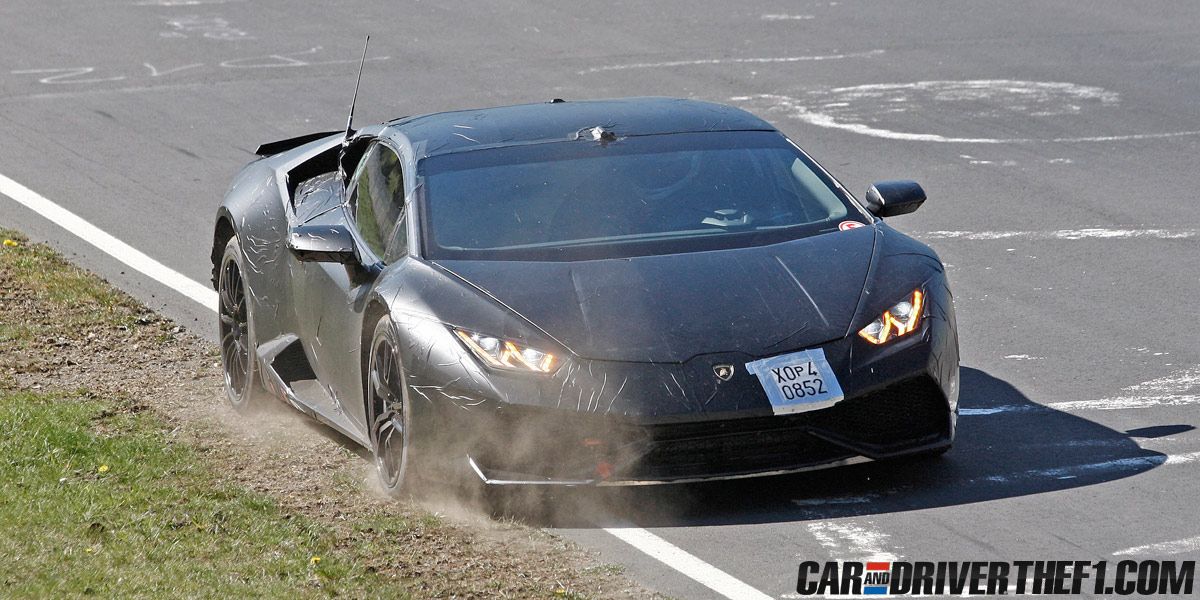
(101, 502)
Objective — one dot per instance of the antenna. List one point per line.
(361, 64)
(350, 119)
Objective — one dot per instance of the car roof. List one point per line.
(456, 131)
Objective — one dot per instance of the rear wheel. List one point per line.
(391, 415)
(238, 361)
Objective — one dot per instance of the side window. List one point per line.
(378, 197)
(398, 247)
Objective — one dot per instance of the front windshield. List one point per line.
(639, 195)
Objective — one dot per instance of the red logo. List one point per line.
(848, 225)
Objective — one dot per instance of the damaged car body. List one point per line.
(613, 292)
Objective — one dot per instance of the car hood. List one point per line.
(758, 301)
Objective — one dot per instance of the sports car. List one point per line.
(615, 292)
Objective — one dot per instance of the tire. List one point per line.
(390, 411)
(239, 362)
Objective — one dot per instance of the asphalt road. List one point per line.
(1057, 141)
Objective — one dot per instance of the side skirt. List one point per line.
(305, 394)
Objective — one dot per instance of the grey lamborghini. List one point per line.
(612, 292)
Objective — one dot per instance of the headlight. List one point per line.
(505, 354)
(899, 320)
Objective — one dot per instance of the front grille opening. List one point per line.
(910, 413)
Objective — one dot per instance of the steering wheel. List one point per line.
(658, 178)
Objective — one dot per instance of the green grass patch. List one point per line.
(102, 502)
(36, 275)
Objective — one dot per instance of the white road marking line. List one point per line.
(1126, 138)
(1191, 544)
(1073, 471)
(213, 28)
(787, 17)
(1138, 463)
(1128, 402)
(109, 91)
(852, 541)
(1062, 234)
(680, 560)
(801, 111)
(982, 89)
(995, 410)
(1118, 442)
(724, 61)
(182, 2)
(643, 540)
(290, 60)
(66, 75)
(835, 500)
(110, 245)
(154, 72)
(1177, 389)
(1182, 459)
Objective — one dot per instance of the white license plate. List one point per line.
(797, 382)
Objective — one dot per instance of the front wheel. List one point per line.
(391, 415)
(238, 363)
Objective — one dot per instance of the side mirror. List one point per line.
(323, 243)
(891, 198)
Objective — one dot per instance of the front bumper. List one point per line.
(597, 423)
(907, 417)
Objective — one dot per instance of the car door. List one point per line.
(374, 211)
